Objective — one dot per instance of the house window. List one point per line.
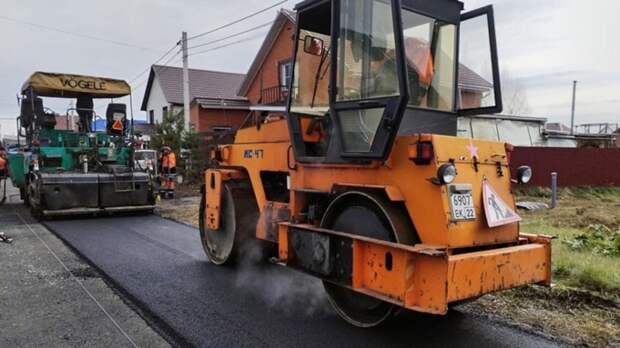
(164, 111)
(151, 117)
(286, 69)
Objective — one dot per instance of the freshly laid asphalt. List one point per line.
(160, 265)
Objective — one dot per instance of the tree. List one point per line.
(168, 133)
(514, 95)
(195, 158)
(185, 144)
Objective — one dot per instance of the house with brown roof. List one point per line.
(213, 95)
(471, 88)
(222, 100)
(266, 85)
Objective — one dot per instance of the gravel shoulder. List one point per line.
(42, 304)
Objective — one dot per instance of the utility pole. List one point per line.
(572, 116)
(186, 100)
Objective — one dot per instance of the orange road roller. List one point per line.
(361, 180)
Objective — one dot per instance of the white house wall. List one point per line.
(156, 101)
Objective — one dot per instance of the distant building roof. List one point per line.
(202, 83)
(470, 80)
(557, 128)
(597, 128)
(143, 128)
(532, 119)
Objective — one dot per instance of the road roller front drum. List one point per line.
(238, 216)
(369, 214)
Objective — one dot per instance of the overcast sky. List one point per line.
(543, 45)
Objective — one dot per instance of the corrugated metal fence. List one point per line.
(575, 167)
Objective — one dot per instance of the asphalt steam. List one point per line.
(281, 288)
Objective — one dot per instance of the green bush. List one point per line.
(598, 239)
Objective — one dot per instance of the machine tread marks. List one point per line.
(240, 214)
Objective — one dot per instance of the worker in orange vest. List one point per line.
(3, 176)
(420, 59)
(3, 162)
(168, 162)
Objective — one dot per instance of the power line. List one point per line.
(233, 35)
(85, 36)
(157, 61)
(229, 44)
(238, 20)
(165, 66)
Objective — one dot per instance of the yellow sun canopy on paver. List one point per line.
(47, 84)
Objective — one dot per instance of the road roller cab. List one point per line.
(364, 183)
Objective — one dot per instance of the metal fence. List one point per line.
(575, 167)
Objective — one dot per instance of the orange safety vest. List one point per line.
(2, 164)
(418, 53)
(169, 160)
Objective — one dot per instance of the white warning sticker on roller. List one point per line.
(497, 211)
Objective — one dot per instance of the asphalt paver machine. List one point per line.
(66, 168)
(363, 183)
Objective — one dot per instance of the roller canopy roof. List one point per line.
(46, 84)
(446, 10)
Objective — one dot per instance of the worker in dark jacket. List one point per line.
(168, 162)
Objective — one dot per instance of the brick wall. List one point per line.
(269, 74)
(205, 119)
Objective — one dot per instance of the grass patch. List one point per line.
(586, 253)
(586, 270)
(566, 193)
(581, 269)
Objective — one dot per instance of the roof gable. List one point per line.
(202, 83)
(470, 80)
(284, 16)
(467, 79)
